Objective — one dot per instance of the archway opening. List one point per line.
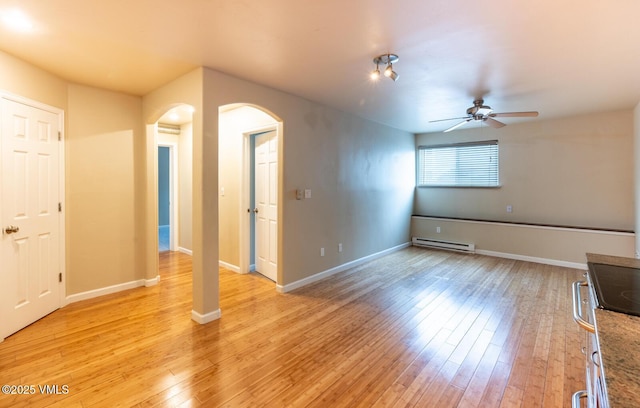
(250, 190)
(174, 141)
(173, 129)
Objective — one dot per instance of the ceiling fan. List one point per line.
(479, 111)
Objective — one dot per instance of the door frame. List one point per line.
(173, 192)
(62, 294)
(246, 236)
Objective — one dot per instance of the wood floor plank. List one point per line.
(415, 328)
(424, 372)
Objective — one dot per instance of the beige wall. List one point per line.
(573, 172)
(25, 80)
(185, 180)
(576, 171)
(103, 233)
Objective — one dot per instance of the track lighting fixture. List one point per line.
(389, 60)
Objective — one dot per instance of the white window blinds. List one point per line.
(473, 164)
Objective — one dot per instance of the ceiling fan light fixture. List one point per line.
(388, 60)
(482, 113)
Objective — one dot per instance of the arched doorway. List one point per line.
(173, 129)
(174, 140)
(250, 196)
(205, 303)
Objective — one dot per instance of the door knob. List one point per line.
(255, 210)
(11, 229)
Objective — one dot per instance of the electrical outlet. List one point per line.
(509, 208)
(438, 230)
(307, 193)
(340, 247)
(321, 251)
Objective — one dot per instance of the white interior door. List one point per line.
(266, 200)
(30, 249)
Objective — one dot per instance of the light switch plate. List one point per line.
(307, 193)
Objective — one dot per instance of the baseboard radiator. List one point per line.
(435, 243)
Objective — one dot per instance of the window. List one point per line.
(473, 164)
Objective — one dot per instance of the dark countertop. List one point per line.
(619, 341)
(613, 260)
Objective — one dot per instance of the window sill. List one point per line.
(498, 186)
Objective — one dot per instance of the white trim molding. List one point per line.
(205, 318)
(185, 251)
(230, 267)
(340, 268)
(152, 282)
(90, 294)
(545, 261)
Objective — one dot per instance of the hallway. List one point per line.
(163, 238)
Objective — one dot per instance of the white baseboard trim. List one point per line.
(545, 261)
(152, 282)
(229, 266)
(76, 297)
(340, 268)
(205, 318)
(185, 251)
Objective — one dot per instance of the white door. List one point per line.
(266, 200)
(30, 248)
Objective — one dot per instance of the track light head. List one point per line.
(375, 74)
(388, 70)
(394, 75)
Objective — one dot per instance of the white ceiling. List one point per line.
(561, 58)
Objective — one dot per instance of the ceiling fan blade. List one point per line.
(531, 114)
(494, 123)
(442, 120)
(464, 122)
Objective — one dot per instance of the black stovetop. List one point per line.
(617, 288)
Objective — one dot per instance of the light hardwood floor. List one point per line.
(419, 327)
